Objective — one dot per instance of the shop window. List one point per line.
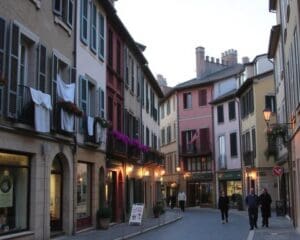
(13, 193)
(83, 178)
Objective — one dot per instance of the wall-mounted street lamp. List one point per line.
(178, 169)
(267, 115)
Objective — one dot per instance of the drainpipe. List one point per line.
(74, 150)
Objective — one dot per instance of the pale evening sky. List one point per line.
(172, 29)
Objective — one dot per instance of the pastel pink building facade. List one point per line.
(195, 142)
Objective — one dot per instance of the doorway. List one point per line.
(56, 190)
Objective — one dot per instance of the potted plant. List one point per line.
(104, 217)
(239, 201)
(158, 209)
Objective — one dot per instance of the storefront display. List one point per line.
(13, 193)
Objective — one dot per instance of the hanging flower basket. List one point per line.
(70, 107)
(103, 122)
(277, 131)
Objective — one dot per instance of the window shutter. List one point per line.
(101, 37)
(102, 103)
(183, 141)
(13, 70)
(93, 29)
(233, 144)
(73, 75)
(84, 21)
(42, 63)
(2, 46)
(83, 94)
(57, 7)
(204, 139)
(70, 13)
(54, 79)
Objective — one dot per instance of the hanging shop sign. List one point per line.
(234, 175)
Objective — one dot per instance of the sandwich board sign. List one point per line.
(136, 214)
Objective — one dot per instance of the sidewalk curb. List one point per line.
(148, 229)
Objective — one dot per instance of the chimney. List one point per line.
(212, 59)
(218, 61)
(229, 57)
(245, 60)
(200, 63)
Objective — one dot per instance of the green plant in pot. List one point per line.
(158, 209)
(103, 217)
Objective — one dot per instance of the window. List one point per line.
(231, 110)
(163, 137)
(222, 152)
(101, 103)
(174, 132)
(187, 100)
(174, 101)
(220, 112)
(202, 97)
(247, 103)
(93, 28)
(23, 68)
(132, 75)
(147, 98)
(84, 21)
(119, 117)
(204, 140)
(168, 134)
(254, 142)
(110, 108)
(270, 103)
(83, 181)
(86, 96)
(101, 37)
(138, 73)
(202, 164)
(14, 185)
(2, 58)
(147, 137)
(168, 107)
(188, 141)
(110, 48)
(64, 9)
(233, 144)
(118, 57)
(162, 111)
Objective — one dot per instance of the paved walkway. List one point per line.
(125, 231)
(280, 228)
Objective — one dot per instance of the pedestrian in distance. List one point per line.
(223, 206)
(173, 201)
(181, 200)
(252, 202)
(265, 201)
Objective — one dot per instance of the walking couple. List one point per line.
(253, 202)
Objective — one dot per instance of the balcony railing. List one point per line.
(248, 157)
(193, 149)
(115, 146)
(153, 156)
(95, 139)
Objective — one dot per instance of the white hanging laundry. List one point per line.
(66, 92)
(42, 107)
(90, 125)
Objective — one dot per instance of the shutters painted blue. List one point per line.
(84, 21)
(2, 56)
(54, 79)
(101, 103)
(93, 29)
(101, 37)
(13, 70)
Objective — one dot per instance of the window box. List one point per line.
(70, 108)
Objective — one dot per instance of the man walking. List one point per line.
(252, 203)
(224, 206)
(181, 200)
(265, 201)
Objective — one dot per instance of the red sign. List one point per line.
(277, 170)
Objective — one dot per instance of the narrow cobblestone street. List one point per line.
(192, 224)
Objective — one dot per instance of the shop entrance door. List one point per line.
(56, 196)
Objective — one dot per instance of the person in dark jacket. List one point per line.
(252, 202)
(265, 201)
(224, 206)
